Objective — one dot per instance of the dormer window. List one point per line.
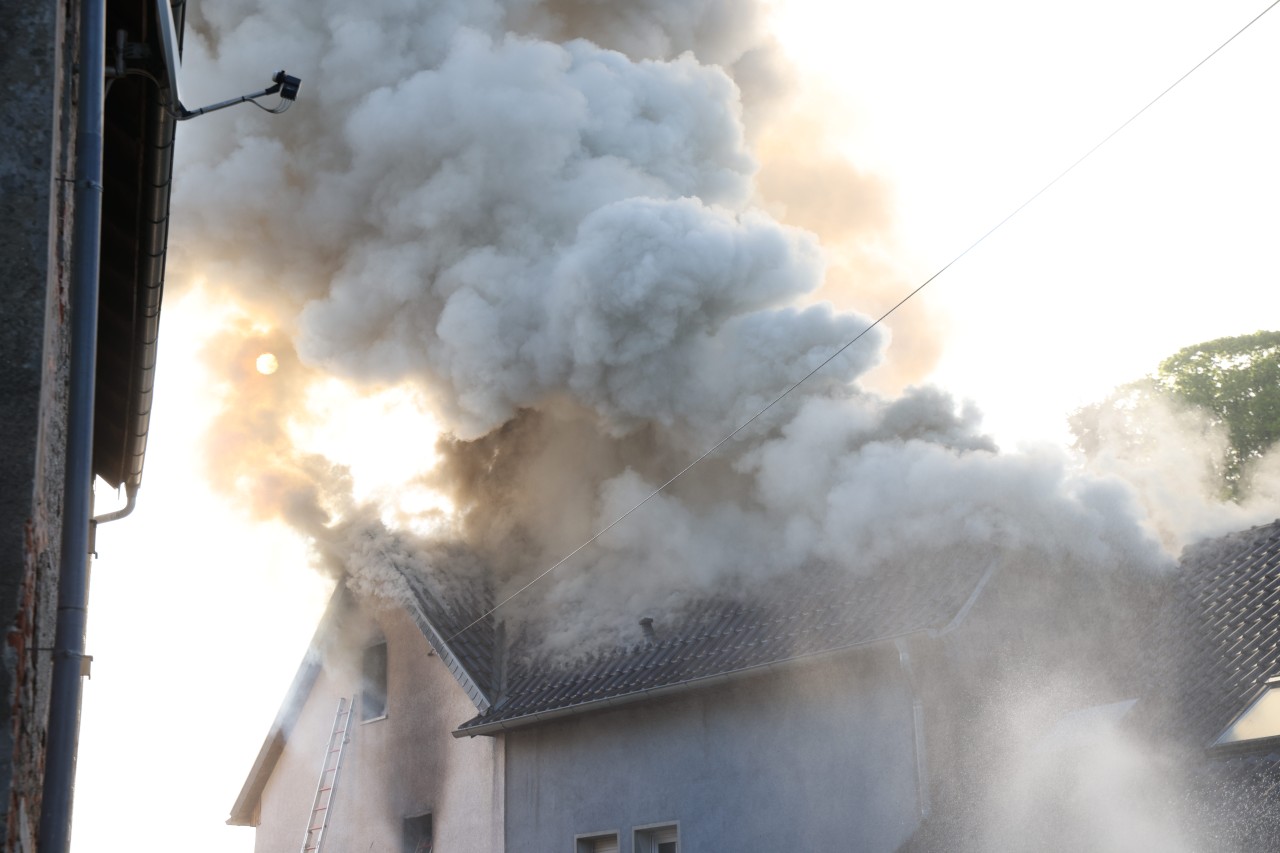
(1260, 720)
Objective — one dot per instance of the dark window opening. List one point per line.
(373, 687)
(417, 833)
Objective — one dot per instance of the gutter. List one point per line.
(152, 255)
(963, 612)
(73, 573)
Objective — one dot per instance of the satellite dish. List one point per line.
(169, 50)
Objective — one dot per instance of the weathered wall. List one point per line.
(403, 765)
(811, 757)
(35, 152)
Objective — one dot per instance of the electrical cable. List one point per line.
(778, 399)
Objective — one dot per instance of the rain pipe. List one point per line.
(73, 572)
(917, 725)
(918, 729)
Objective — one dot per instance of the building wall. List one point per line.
(814, 757)
(400, 766)
(36, 141)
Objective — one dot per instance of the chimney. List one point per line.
(646, 625)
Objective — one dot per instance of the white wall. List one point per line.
(403, 765)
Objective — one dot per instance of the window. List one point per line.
(417, 834)
(1260, 720)
(597, 842)
(373, 683)
(663, 838)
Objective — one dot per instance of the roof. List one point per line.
(466, 644)
(818, 611)
(1226, 612)
(1204, 660)
(137, 165)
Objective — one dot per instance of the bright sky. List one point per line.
(1166, 237)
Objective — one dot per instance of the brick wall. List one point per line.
(36, 133)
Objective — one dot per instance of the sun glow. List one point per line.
(267, 363)
(386, 438)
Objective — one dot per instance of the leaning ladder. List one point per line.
(318, 821)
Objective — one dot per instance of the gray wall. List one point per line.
(817, 757)
(35, 145)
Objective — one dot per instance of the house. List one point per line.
(63, 422)
(819, 711)
(1192, 760)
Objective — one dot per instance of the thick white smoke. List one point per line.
(546, 218)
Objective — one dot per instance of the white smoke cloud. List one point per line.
(544, 217)
(1172, 457)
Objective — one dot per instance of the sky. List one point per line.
(1165, 237)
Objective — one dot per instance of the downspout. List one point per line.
(130, 504)
(917, 726)
(73, 575)
(913, 684)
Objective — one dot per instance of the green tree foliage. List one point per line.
(1237, 381)
(1230, 386)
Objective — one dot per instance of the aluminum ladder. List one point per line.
(318, 820)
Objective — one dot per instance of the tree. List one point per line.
(1237, 381)
(1232, 383)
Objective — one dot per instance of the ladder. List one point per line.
(318, 820)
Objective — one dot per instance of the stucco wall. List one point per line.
(816, 757)
(403, 765)
(35, 146)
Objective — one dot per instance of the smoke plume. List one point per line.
(550, 220)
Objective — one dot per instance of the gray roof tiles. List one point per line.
(469, 650)
(1226, 617)
(818, 610)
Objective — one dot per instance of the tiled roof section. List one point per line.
(819, 610)
(444, 610)
(1227, 611)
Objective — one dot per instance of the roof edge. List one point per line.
(527, 720)
(243, 811)
(470, 685)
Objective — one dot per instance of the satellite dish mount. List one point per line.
(285, 85)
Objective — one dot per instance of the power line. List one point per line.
(778, 399)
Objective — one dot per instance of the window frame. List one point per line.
(582, 839)
(365, 716)
(1267, 690)
(646, 838)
